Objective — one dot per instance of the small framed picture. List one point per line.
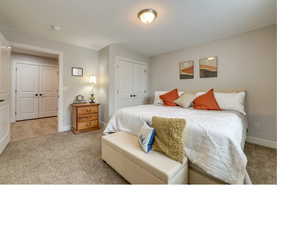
(186, 70)
(208, 67)
(77, 71)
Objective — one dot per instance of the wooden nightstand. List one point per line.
(85, 117)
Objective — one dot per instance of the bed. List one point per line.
(214, 140)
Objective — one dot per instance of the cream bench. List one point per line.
(123, 153)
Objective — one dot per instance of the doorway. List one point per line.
(36, 92)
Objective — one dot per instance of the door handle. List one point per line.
(36, 94)
(41, 94)
(2, 100)
(134, 96)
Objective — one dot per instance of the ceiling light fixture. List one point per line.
(147, 16)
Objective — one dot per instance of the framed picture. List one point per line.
(208, 67)
(77, 71)
(186, 70)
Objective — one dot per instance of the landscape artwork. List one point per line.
(186, 70)
(208, 67)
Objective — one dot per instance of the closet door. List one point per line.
(140, 84)
(27, 91)
(124, 78)
(48, 94)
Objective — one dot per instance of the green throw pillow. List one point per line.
(169, 137)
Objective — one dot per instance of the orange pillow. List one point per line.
(170, 97)
(206, 101)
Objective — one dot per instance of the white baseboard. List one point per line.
(261, 141)
(4, 142)
(66, 128)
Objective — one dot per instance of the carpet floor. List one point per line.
(65, 158)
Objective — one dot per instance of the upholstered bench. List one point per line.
(123, 153)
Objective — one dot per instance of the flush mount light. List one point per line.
(55, 27)
(147, 16)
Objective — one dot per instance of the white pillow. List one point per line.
(146, 137)
(185, 100)
(229, 101)
(158, 101)
(232, 101)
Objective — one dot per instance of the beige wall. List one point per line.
(72, 56)
(247, 61)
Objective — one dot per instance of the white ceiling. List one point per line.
(97, 23)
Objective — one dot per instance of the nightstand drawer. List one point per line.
(87, 117)
(87, 125)
(87, 110)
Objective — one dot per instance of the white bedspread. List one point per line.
(213, 140)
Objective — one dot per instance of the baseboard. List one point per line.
(261, 141)
(66, 128)
(4, 142)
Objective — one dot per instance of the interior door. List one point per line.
(48, 94)
(124, 77)
(4, 93)
(27, 91)
(140, 84)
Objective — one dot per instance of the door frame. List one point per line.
(60, 105)
(15, 63)
(116, 66)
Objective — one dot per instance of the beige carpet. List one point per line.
(33, 128)
(65, 158)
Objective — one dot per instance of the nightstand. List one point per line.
(85, 117)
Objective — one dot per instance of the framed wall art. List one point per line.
(186, 70)
(77, 71)
(208, 67)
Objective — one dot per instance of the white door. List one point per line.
(140, 84)
(131, 83)
(4, 93)
(124, 76)
(48, 93)
(27, 99)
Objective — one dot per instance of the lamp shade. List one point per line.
(92, 79)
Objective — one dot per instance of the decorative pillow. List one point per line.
(146, 137)
(185, 100)
(232, 101)
(157, 100)
(206, 101)
(169, 137)
(170, 97)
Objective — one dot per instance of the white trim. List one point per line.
(66, 128)
(60, 113)
(6, 137)
(261, 141)
(118, 58)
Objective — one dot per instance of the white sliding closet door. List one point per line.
(37, 91)
(131, 83)
(27, 91)
(48, 91)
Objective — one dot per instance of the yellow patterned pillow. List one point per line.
(169, 137)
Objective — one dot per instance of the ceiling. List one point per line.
(97, 23)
